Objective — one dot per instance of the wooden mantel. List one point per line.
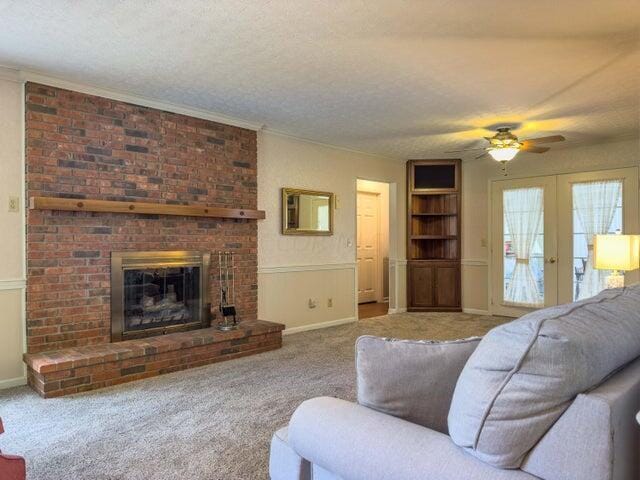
(82, 205)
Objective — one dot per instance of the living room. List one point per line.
(335, 240)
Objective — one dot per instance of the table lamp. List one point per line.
(617, 253)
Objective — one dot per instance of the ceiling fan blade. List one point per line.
(466, 150)
(534, 149)
(480, 156)
(551, 139)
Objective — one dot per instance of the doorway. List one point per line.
(542, 236)
(372, 248)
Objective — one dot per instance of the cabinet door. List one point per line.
(447, 286)
(422, 284)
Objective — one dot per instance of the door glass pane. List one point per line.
(523, 258)
(597, 209)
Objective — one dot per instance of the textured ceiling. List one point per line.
(397, 78)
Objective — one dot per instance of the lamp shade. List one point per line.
(616, 252)
(503, 154)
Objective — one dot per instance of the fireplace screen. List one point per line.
(157, 292)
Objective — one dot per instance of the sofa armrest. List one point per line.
(355, 442)
(596, 437)
(284, 463)
(411, 379)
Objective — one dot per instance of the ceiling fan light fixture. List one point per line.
(503, 154)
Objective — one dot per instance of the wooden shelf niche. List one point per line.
(433, 235)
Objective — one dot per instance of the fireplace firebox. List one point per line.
(153, 293)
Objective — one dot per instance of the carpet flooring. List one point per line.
(213, 422)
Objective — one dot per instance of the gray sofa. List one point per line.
(406, 390)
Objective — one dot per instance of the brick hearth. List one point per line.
(75, 370)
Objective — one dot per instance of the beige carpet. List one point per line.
(211, 423)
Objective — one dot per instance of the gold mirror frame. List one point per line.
(286, 230)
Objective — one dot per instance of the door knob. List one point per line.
(551, 260)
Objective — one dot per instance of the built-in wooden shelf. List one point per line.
(110, 206)
(434, 237)
(428, 194)
(443, 214)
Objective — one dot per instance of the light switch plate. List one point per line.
(14, 204)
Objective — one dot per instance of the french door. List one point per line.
(524, 266)
(542, 236)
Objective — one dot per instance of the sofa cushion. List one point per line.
(524, 374)
(411, 379)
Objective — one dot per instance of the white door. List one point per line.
(538, 263)
(367, 246)
(524, 268)
(592, 203)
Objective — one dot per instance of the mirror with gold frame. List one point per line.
(307, 212)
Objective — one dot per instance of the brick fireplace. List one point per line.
(86, 147)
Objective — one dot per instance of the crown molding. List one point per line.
(22, 75)
(9, 74)
(37, 77)
(278, 133)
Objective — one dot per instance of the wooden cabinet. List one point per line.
(433, 235)
(421, 285)
(434, 286)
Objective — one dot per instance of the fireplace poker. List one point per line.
(226, 264)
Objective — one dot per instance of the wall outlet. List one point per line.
(312, 303)
(330, 302)
(14, 204)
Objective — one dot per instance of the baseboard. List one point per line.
(316, 326)
(396, 310)
(476, 311)
(13, 382)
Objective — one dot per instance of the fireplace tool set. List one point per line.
(226, 263)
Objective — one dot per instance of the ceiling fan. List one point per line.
(504, 145)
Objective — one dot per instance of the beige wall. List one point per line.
(475, 209)
(11, 226)
(294, 269)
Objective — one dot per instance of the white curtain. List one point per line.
(523, 212)
(595, 205)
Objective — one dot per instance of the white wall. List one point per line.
(12, 233)
(292, 269)
(475, 208)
